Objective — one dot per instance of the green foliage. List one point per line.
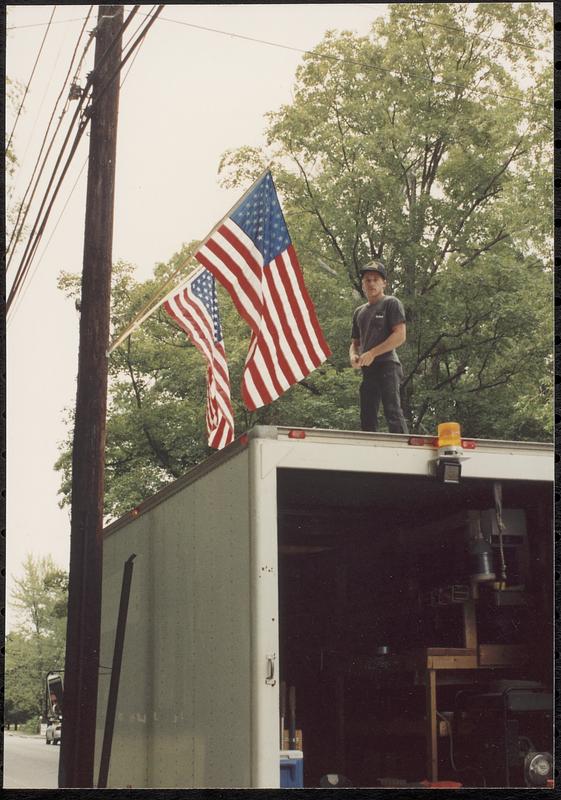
(14, 91)
(156, 426)
(427, 144)
(32, 726)
(23, 678)
(420, 146)
(37, 645)
(40, 597)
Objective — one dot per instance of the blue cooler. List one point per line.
(291, 769)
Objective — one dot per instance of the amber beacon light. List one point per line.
(450, 451)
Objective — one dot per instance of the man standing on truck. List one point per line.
(378, 329)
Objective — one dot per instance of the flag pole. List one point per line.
(151, 306)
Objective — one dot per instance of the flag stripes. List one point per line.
(258, 266)
(289, 343)
(194, 308)
(234, 260)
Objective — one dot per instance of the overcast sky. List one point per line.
(189, 95)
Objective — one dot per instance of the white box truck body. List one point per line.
(309, 560)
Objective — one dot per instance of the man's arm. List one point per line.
(353, 353)
(395, 339)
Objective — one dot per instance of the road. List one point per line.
(29, 763)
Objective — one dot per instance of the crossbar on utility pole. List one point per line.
(84, 592)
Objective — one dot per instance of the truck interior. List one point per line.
(412, 614)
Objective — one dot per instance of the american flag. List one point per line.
(251, 254)
(194, 306)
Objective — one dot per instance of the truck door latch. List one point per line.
(270, 670)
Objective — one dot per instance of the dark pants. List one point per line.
(382, 382)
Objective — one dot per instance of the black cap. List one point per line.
(374, 266)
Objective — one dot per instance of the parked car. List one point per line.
(53, 733)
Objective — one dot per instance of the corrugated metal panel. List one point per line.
(183, 716)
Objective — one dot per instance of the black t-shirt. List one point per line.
(373, 323)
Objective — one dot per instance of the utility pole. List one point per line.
(76, 767)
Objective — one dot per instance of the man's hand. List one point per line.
(366, 359)
(354, 360)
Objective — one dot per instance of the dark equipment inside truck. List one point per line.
(414, 613)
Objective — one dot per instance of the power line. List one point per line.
(22, 268)
(368, 7)
(137, 46)
(16, 233)
(30, 79)
(354, 62)
(467, 34)
(21, 294)
(22, 159)
(33, 242)
(30, 253)
(139, 26)
(40, 24)
(137, 42)
(37, 232)
(137, 50)
(470, 34)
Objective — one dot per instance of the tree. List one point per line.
(428, 145)
(14, 91)
(40, 596)
(24, 681)
(156, 426)
(37, 644)
(419, 146)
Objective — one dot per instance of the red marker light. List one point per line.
(468, 444)
(294, 434)
(135, 512)
(420, 441)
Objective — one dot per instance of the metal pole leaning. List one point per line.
(115, 673)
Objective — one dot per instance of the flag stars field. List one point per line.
(205, 288)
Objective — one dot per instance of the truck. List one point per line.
(54, 689)
(318, 607)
